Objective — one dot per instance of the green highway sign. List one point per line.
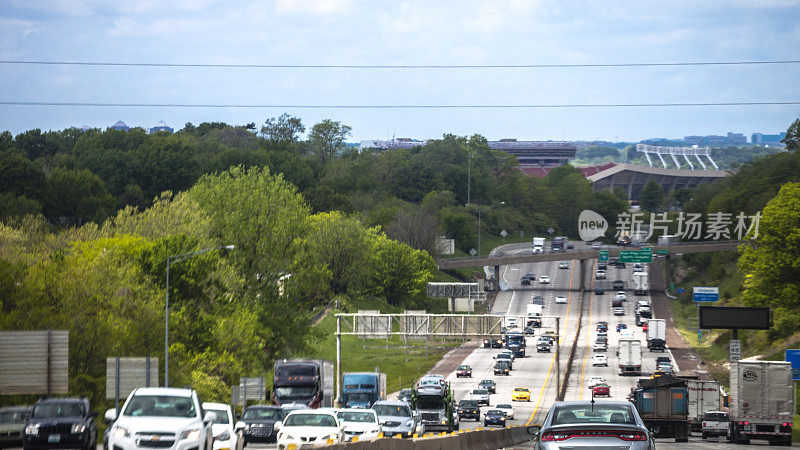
(603, 255)
(636, 256)
(662, 252)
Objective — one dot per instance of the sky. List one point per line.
(376, 32)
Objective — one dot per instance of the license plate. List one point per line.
(54, 438)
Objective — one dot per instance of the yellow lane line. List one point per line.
(588, 334)
(553, 361)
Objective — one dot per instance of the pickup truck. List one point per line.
(715, 423)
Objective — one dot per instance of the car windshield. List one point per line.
(429, 382)
(222, 416)
(586, 413)
(262, 414)
(160, 406)
(392, 410)
(12, 416)
(296, 370)
(521, 390)
(486, 382)
(360, 397)
(310, 420)
(463, 367)
(495, 412)
(357, 416)
(58, 409)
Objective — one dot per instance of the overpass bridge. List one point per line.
(501, 259)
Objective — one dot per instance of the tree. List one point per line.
(792, 139)
(77, 196)
(327, 139)
(340, 244)
(20, 176)
(283, 129)
(417, 229)
(651, 196)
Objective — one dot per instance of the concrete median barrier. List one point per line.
(474, 440)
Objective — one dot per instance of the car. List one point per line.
(544, 279)
(570, 246)
(257, 424)
(225, 436)
(599, 360)
(644, 327)
(601, 390)
(405, 395)
(643, 304)
(639, 320)
(530, 330)
(172, 416)
(493, 343)
(506, 358)
(506, 408)
(317, 427)
(600, 275)
(469, 409)
(561, 299)
(663, 359)
(489, 385)
(596, 244)
(494, 417)
(660, 373)
(667, 367)
(637, 267)
(618, 311)
(602, 325)
(543, 347)
(480, 395)
(602, 266)
(521, 395)
(592, 424)
(464, 371)
(602, 339)
(396, 418)
(600, 347)
(563, 265)
(603, 332)
(715, 423)
(12, 425)
(595, 380)
(360, 423)
(618, 284)
(502, 368)
(621, 326)
(621, 297)
(599, 291)
(61, 423)
(537, 300)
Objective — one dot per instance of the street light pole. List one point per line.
(172, 260)
(480, 214)
(469, 175)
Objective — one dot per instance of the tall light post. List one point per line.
(469, 175)
(480, 214)
(172, 260)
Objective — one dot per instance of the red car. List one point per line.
(464, 371)
(601, 390)
(644, 327)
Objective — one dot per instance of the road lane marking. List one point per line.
(553, 361)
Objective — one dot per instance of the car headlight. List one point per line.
(334, 437)
(78, 428)
(443, 422)
(224, 436)
(192, 434)
(409, 422)
(32, 429)
(247, 427)
(120, 432)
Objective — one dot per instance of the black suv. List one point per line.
(259, 423)
(61, 423)
(469, 409)
(618, 285)
(501, 368)
(489, 385)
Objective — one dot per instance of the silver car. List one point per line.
(396, 418)
(593, 424)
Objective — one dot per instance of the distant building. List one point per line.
(377, 144)
(120, 125)
(771, 139)
(716, 140)
(161, 127)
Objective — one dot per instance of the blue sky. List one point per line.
(412, 32)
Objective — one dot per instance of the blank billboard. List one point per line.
(734, 317)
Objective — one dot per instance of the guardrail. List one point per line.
(480, 439)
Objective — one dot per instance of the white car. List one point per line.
(561, 265)
(621, 297)
(361, 423)
(505, 352)
(594, 381)
(600, 347)
(600, 275)
(561, 299)
(506, 408)
(225, 437)
(480, 395)
(599, 360)
(544, 279)
(168, 417)
(310, 428)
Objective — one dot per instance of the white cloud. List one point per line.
(313, 7)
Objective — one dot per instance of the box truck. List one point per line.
(538, 245)
(640, 286)
(662, 403)
(656, 334)
(703, 396)
(629, 354)
(761, 402)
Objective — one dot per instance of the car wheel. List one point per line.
(705, 436)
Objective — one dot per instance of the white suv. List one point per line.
(161, 418)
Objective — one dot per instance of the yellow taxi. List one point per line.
(521, 395)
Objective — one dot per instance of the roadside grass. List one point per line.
(364, 355)
(796, 428)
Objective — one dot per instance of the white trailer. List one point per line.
(657, 334)
(761, 402)
(703, 396)
(629, 354)
(640, 286)
(538, 245)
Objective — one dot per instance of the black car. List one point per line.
(502, 368)
(537, 300)
(601, 340)
(619, 284)
(12, 425)
(663, 359)
(259, 423)
(531, 330)
(543, 346)
(489, 385)
(494, 417)
(61, 423)
(599, 291)
(493, 343)
(469, 409)
(602, 266)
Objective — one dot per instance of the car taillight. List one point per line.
(632, 436)
(744, 423)
(786, 424)
(625, 436)
(551, 437)
(704, 424)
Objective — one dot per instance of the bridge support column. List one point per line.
(496, 278)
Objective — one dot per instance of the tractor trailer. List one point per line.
(761, 402)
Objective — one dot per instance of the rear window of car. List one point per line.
(716, 417)
(468, 404)
(593, 414)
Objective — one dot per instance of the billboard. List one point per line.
(705, 294)
(734, 317)
(34, 362)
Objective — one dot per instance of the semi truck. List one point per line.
(761, 402)
(703, 396)
(657, 335)
(559, 244)
(629, 354)
(433, 401)
(538, 245)
(533, 316)
(663, 404)
(363, 389)
(515, 341)
(640, 286)
(304, 381)
(667, 239)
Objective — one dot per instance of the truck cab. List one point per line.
(362, 390)
(305, 381)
